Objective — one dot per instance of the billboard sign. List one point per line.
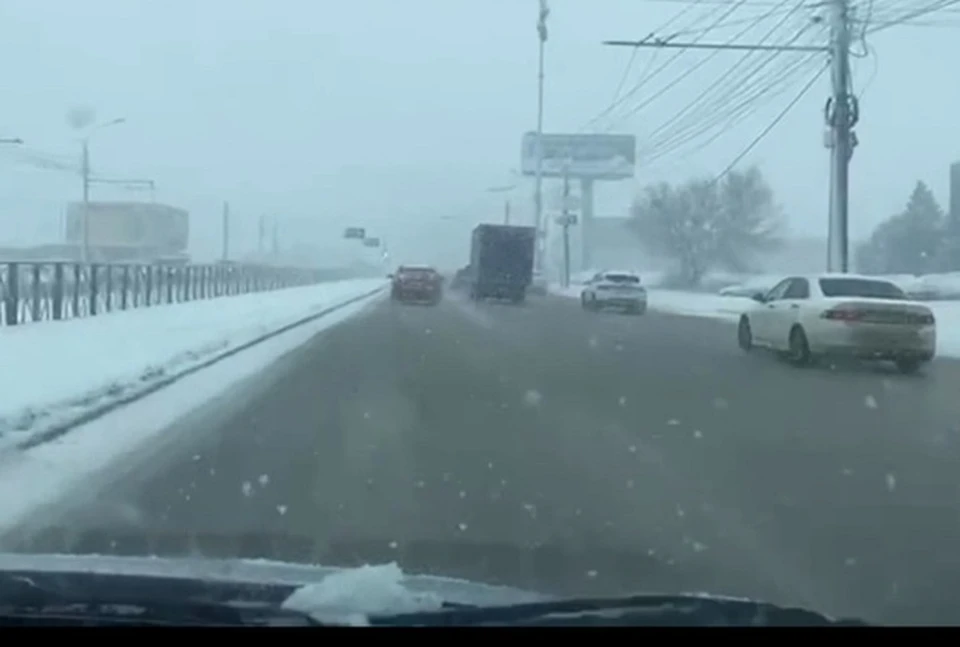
(371, 242)
(355, 233)
(130, 224)
(598, 157)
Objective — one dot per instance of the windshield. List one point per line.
(417, 273)
(336, 283)
(860, 288)
(622, 278)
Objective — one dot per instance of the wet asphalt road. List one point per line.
(550, 448)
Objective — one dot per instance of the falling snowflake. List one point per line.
(532, 398)
(282, 509)
(623, 400)
(264, 480)
(870, 402)
(891, 482)
(721, 403)
(247, 488)
(697, 434)
(462, 527)
(673, 422)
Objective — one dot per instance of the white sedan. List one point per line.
(805, 317)
(621, 290)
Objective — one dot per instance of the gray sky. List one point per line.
(395, 113)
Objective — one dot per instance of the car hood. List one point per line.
(404, 589)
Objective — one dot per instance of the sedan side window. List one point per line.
(798, 289)
(777, 291)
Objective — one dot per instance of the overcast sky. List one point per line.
(398, 114)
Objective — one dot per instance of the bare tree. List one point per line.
(703, 224)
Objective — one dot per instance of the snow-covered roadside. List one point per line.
(677, 302)
(36, 482)
(729, 309)
(56, 371)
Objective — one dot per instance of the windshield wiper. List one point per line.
(638, 610)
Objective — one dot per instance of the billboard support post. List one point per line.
(586, 224)
(566, 227)
(85, 171)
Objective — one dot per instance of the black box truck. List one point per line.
(501, 262)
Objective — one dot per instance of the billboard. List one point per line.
(357, 233)
(130, 224)
(371, 242)
(598, 157)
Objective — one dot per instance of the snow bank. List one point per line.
(36, 482)
(729, 309)
(55, 371)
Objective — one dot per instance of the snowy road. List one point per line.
(547, 447)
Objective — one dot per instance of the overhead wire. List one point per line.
(690, 70)
(730, 87)
(910, 14)
(633, 55)
(766, 131)
(724, 121)
(642, 82)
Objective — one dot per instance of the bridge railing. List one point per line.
(41, 291)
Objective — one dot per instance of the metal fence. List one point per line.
(41, 291)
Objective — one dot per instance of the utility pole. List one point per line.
(841, 115)
(506, 211)
(841, 134)
(226, 231)
(538, 182)
(276, 238)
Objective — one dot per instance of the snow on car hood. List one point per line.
(343, 593)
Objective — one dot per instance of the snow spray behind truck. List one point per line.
(501, 262)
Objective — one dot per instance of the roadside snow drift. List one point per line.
(947, 313)
(57, 370)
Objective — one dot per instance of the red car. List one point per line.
(417, 284)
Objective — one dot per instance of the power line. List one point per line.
(720, 80)
(633, 55)
(723, 121)
(910, 15)
(783, 113)
(637, 86)
(693, 68)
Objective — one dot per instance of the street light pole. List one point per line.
(538, 189)
(85, 172)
